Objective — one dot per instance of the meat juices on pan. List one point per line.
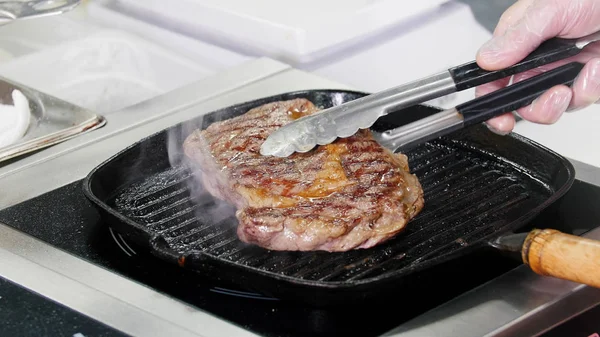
(349, 194)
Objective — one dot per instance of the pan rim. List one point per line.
(204, 256)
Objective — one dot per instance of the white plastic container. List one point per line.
(20, 38)
(418, 38)
(296, 32)
(104, 72)
(109, 13)
(451, 36)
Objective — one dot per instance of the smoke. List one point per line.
(206, 182)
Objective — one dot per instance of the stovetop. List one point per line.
(65, 219)
(83, 234)
(53, 242)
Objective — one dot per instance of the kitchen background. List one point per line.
(109, 54)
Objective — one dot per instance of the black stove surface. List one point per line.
(65, 219)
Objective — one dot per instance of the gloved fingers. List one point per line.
(540, 70)
(502, 124)
(591, 52)
(518, 34)
(579, 17)
(522, 28)
(485, 89)
(546, 109)
(586, 88)
(538, 111)
(549, 107)
(511, 16)
(540, 21)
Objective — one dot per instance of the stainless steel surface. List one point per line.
(17, 10)
(96, 292)
(421, 130)
(52, 120)
(520, 303)
(346, 119)
(586, 173)
(584, 41)
(511, 242)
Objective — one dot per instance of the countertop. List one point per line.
(25, 313)
(573, 136)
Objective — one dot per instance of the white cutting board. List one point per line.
(104, 72)
(294, 30)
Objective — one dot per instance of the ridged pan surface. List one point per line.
(477, 186)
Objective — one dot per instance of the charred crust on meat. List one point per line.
(350, 194)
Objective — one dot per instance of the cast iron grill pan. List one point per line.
(477, 186)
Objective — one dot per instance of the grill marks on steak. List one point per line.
(349, 194)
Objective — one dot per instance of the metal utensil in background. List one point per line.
(52, 120)
(18, 10)
(346, 119)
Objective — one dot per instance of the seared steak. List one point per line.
(349, 194)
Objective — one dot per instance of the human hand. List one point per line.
(521, 29)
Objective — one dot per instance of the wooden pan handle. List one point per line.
(552, 253)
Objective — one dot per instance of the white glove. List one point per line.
(521, 29)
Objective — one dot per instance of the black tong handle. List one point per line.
(517, 95)
(471, 75)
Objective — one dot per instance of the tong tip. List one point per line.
(277, 145)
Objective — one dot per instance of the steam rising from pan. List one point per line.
(200, 183)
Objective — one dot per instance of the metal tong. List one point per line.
(478, 110)
(16, 10)
(346, 119)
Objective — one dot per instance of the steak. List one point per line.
(349, 194)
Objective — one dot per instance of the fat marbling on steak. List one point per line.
(349, 194)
